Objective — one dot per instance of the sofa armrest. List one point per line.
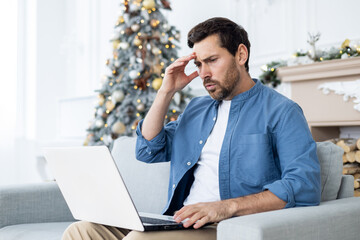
(337, 219)
(347, 187)
(32, 203)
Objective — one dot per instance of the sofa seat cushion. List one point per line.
(38, 231)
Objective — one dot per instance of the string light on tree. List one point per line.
(143, 45)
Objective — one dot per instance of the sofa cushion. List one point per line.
(146, 183)
(38, 231)
(330, 157)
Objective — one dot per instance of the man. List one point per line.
(244, 149)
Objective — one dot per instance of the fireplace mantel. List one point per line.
(325, 113)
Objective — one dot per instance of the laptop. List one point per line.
(94, 190)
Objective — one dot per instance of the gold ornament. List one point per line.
(345, 44)
(157, 69)
(109, 106)
(156, 83)
(101, 99)
(137, 42)
(116, 44)
(149, 4)
(118, 128)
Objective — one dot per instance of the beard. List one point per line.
(227, 87)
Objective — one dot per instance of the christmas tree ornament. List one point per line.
(137, 42)
(148, 4)
(166, 27)
(124, 45)
(117, 63)
(156, 83)
(140, 107)
(133, 74)
(155, 51)
(117, 96)
(101, 99)
(345, 44)
(118, 128)
(177, 36)
(158, 69)
(116, 44)
(121, 19)
(135, 27)
(99, 111)
(104, 115)
(109, 106)
(99, 123)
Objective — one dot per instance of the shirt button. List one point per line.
(173, 186)
(201, 141)
(214, 118)
(188, 163)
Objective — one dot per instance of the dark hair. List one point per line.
(231, 35)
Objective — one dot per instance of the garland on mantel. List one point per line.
(269, 75)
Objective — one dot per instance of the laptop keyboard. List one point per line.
(157, 221)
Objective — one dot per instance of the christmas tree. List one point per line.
(144, 44)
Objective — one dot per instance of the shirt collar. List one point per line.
(249, 93)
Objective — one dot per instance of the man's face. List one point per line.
(217, 68)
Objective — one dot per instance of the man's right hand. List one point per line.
(175, 78)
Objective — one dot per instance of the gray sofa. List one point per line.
(39, 212)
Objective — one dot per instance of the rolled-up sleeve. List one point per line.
(300, 169)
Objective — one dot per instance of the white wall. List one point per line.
(64, 44)
(8, 85)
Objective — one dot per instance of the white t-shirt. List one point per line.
(205, 187)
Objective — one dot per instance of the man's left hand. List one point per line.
(201, 213)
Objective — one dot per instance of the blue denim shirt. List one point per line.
(267, 146)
